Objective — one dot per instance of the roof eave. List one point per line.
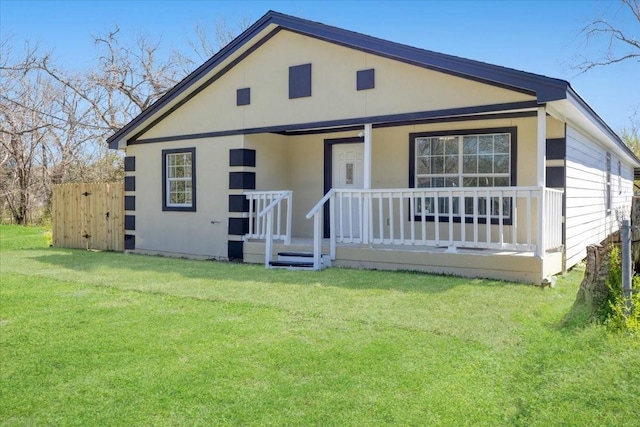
(576, 99)
(574, 110)
(545, 89)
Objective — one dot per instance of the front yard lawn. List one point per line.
(90, 338)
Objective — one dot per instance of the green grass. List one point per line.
(90, 338)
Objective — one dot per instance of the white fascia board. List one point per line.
(571, 112)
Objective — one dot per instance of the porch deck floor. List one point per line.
(307, 243)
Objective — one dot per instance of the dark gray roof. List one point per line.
(544, 88)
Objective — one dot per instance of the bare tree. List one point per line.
(207, 40)
(617, 39)
(620, 43)
(54, 122)
(23, 130)
(126, 80)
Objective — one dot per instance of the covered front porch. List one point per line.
(379, 229)
(438, 224)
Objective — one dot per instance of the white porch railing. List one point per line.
(317, 213)
(553, 218)
(483, 218)
(263, 206)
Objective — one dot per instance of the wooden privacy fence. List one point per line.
(89, 216)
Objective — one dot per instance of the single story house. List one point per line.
(301, 144)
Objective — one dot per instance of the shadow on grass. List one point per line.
(130, 264)
(579, 316)
(582, 313)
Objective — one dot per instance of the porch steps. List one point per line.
(297, 265)
(299, 261)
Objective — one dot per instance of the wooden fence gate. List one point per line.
(89, 216)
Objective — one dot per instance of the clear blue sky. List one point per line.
(537, 36)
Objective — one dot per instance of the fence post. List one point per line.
(625, 237)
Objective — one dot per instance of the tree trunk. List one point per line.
(593, 290)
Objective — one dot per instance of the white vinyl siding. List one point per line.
(587, 221)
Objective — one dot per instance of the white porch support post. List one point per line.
(367, 156)
(367, 182)
(541, 179)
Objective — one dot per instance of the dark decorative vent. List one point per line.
(300, 81)
(243, 96)
(365, 79)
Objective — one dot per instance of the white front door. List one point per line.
(348, 172)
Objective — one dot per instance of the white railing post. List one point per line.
(450, 204)
(287, 239)
(332, 227)
(366, 218)
(269, 240)
(251, 214)
(317, 212)
(487, 204)
(528, 220)
(402, 217)
(317, 239)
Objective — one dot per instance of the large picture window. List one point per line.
(178, 176)
(463, 159)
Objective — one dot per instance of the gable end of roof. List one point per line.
(544, 88)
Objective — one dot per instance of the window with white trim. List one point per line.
(480, 159)
(179, 179)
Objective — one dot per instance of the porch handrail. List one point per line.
(321, 203)
(439, 189)
(503, 218)
(270, 202)
(317, 213)
(274, 203)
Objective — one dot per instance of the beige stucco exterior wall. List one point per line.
(399, 88)
(272, 159)
(184, 233)
(555, 128)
